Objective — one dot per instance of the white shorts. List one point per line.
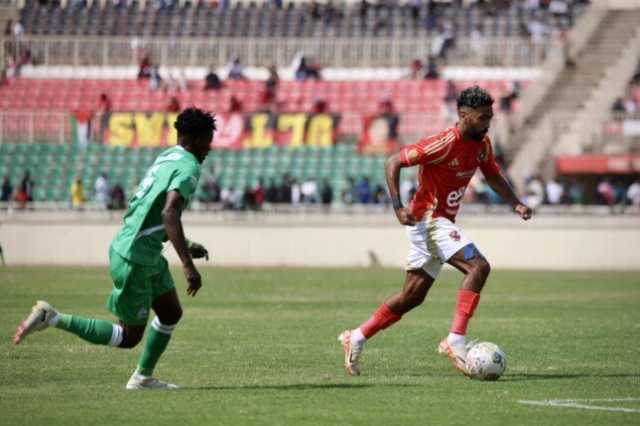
(432, 242)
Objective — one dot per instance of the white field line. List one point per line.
(579, 403)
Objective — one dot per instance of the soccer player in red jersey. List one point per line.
(447, 162)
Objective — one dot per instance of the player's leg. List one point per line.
(166, 306)
(95, 331)
(476, 269)
(130, 300)
(422, 268)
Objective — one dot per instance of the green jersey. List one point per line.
(140, 239)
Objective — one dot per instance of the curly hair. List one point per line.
(195, 122)
(474, 97)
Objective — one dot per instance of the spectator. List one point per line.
(306, 69)
(555, 192)
(144, 68)
(7, 190)
(236, 71)
(271, 194)
(102, 190)
(212, 81)
(618, 106)
(270, 87)
(534, 192)
(326, 194)
(432, 69)
(633, 193)
(211, 190)
(450, 101)
(443, 41)
(380, 195)
(350, 193)
(576, 193)
(24, 194)
(103, 112)
(309, 191)
(296, 192)
(364, 191)
(248, 202)
(18, 31)
(285, 189)
(416, 70)
(77, 194)
(606, 192)
(155, 80)
(118, 198)
(173, 105)
(258, 195)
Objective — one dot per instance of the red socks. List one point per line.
(467, 302)
(381, 319)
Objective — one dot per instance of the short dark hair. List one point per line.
(195, 122)
(474, 97)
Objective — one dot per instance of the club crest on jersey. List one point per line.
(454, 235)
(412, 154)
(454, 163)
(143, 313)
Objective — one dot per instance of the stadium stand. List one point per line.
(296, 19)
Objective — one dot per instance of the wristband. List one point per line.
(396, 203)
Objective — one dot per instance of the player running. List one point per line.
(447, 162)
(140, 274)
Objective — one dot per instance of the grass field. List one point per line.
(258, 346)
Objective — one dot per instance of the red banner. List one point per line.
(598, 164)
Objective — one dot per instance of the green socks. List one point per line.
(158, 336)
(99, 332)
(102, 332)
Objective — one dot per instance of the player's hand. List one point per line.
(524, 211)
(405, 217)
(193, 278)
(198, 251)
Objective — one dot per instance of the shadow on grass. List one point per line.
(558, 376)
(294, 387)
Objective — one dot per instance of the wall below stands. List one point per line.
(546, 242)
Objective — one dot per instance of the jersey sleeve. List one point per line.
(184, 181)
(488, 164)
(427, 151)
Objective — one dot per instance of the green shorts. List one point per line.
(135, 287)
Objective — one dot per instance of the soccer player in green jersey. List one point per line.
(140, 274)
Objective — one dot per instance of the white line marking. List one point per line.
(575, 403)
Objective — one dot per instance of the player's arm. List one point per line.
(171, 218)
(501, 186)
(392, 168)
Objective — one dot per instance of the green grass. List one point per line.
(258, 346)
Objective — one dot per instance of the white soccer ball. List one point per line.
(486, 361)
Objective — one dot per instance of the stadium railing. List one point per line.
(345, 52)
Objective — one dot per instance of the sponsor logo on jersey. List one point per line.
(143, 313)
(454, 163)
(466, 173)
(454, 197)
(454, 235)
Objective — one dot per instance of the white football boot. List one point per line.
(456, 354)
(352, 353)
(38, 320)
(138, 381)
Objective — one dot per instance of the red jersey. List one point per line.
(447, 164)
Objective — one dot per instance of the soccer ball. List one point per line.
(486, 361)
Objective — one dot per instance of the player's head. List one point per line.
(475, 109)
(195, 131)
